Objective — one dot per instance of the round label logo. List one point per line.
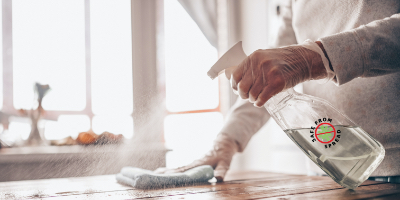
(325, 133)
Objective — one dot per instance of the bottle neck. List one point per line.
(279, 99)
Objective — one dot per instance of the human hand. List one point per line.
(267, 72)
(219, 158)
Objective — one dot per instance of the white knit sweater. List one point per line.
(362, 40)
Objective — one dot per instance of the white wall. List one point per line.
(270, 149)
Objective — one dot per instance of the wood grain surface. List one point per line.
(238, 185)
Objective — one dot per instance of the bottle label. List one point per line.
(325, 133)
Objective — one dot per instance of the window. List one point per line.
(49, 48)
(192, 98)
(83, 50)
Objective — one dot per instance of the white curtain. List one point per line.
(204, 13)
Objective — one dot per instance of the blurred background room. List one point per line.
(90, 86)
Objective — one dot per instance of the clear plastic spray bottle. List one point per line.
(343, 150)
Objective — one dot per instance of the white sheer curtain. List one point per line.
(204, 13)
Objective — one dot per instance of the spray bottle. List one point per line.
(343, 150)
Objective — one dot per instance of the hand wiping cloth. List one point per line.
(146, 179)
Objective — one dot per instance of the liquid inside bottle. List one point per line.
(348, 159)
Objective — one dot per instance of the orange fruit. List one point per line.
(86, 138)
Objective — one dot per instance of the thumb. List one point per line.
(220, 170)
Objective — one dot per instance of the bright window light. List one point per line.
(66, 125)
(190, 136)
(111, 50)
(20, 129)
(188, 57)
(49, 48)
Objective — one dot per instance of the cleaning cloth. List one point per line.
(146, 179)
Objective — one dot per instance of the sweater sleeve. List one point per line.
(367, 51)
(244, 120)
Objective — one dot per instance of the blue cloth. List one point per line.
(146, 179)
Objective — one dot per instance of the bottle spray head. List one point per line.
(228, 62)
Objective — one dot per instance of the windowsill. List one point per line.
(27, 163)
(78, 149)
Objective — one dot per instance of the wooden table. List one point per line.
(239, 185)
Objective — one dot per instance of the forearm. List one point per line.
(370, 50)
(243, 121)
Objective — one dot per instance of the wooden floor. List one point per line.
(239, 185)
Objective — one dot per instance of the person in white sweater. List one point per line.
(361, 41)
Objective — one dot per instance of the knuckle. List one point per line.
(257, 53)
(259, 104)
(236, 75)
(278, 81)
(276, 77)
(254, 94)
(252, 99)
(243, 87)
(262, 99)
(254, 56)
(243, 95)
(233, 84)
(266, 64)
(275, 71)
